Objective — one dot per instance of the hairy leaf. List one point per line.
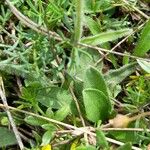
(94, 79)
(14, 69)
(114, 77)
(106, 36)
(97, 105)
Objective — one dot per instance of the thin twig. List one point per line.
(62, 143)
(113, 52)
(107, 129)
(64, 131)
(66, 125)
(79, 111)
(136, 9)
(26, 139)
(4, 100)
(125, 129)
(25, 132)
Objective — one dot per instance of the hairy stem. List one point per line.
(79, 20)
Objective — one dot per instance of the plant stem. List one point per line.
(79, 111)
(79, 20)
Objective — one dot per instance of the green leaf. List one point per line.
(144, 65)
(125, 59)
(9, 67)
(7, 137)
(34, 121)
(114, 77)
(97, 6)
(82, 59)
(92, 25)
(54, 97)
(126, 146)
(48, 135)
(143, 45)
(101, 139)
(106, 36)
(50, 127)
(94, 79)
(62, 113)
(126, 137)
(30, 92)
(97, 105)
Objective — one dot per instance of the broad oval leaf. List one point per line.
(7, 137)
(35, 121)
(94, 79)
(106, 36)
(49, 126)
(48, 135)
(143, 45)
(97, 105)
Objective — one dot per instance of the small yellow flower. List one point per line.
(47, 147)
(74, 144)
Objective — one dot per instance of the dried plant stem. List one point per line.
(126, 129)
(123, 40)
(66, 125)
(62, 143)
(136, 9)
(4, 100)
(79, 111)
(113, 52)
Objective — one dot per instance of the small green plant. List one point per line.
(69, 67)
(138, 91)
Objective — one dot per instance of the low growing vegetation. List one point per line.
(74, 75)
